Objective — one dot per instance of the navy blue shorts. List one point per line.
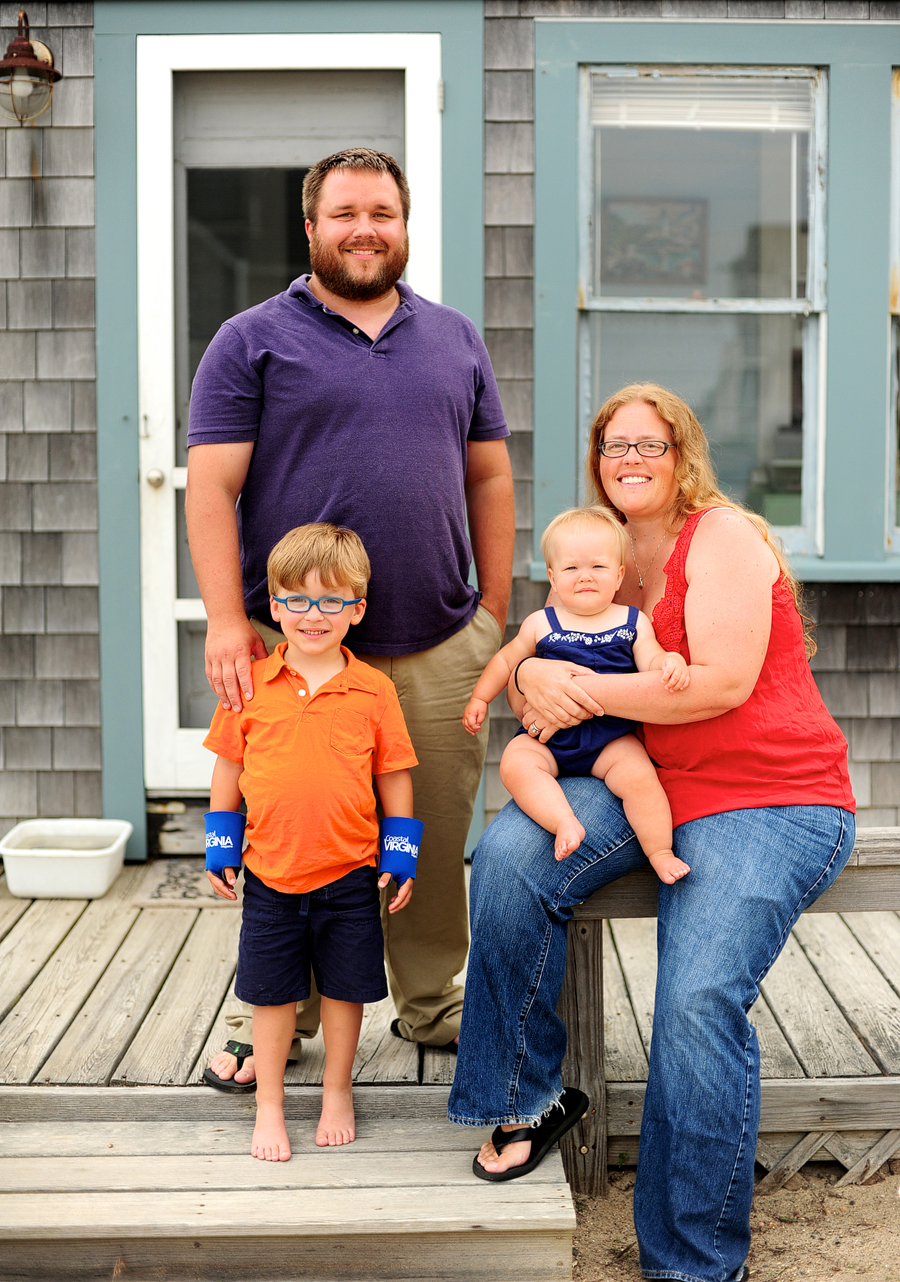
(335, 931)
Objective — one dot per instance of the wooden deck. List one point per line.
(828, 1023)
(106, 1171)
(107, 1005)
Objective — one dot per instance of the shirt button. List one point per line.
(301, 693)
(356, 331)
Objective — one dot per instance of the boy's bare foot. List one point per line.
(224, 1065)
(569, 836)
(668, 867)
(270, 1141)
(512, 1155)
(337, 1125)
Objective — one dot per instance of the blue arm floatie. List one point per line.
(399, 850)
(224, 840)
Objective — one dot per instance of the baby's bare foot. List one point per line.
(668, 867)
(337, 1125)
(270, 1141)
(224, 1065)
(569, 836)
(511, 1155)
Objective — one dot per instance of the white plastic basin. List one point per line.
(64, 858)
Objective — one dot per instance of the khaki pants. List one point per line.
(426, 943)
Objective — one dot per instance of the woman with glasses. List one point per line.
(755, 772)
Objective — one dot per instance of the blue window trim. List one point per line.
(116, 27)
(859, 59)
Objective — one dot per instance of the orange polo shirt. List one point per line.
(308, 765)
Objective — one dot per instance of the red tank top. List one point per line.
(780, 748)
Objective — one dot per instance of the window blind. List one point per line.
(650, 101)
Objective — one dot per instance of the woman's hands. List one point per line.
(550, 697)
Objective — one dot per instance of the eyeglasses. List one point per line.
(646, 449)
(303, 604)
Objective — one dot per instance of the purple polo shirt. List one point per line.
(371, 435)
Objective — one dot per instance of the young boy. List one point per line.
(303, 753)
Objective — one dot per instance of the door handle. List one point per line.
(155, 478)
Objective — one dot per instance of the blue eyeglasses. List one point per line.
(303, 604)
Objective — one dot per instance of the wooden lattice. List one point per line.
(861, 1152)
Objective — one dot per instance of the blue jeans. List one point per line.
(720, 929)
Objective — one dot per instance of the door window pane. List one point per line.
(245, 242)
(741, 375)
(196, 701)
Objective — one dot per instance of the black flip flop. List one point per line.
(452, 1047)
(241, 1051)
(572, 1105)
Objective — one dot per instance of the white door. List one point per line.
(221, 228)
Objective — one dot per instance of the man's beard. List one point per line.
(330, 266)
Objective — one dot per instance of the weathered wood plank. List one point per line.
(770, 1149)
(635, 943)
(636, 940)
(220, 1136)
(624, 1054)
(308, 1069)
(877, 846)
(860, 888)
(820, 1036)
(632, 896)
(264, 1212)
(43, 1013)
(111, 1016)
(175, 1030)
(886, 1147)
(867, 880)
(499, 1256)
(381, 1057)
(11, 908)
(849, 1146)
(581, 1008)
(776, 1059)
(218, 1035)
(846, 1146)
(879, 934)
(825, 1104)
(865, 997)
(798, 1156)
(438, 1067)
(195, 1103)
(31, 940)
(308, 1169)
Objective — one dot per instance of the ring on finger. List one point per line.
(534, 728)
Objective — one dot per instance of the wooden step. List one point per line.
(156, 1183)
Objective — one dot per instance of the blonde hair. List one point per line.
(698, 487)
(333, 552)
(582, 516)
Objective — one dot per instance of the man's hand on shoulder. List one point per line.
(230, 650)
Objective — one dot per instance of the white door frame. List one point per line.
(174, 759)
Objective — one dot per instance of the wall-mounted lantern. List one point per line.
(27, 76)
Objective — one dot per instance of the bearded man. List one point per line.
(350, 399)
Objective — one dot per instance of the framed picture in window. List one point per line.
(653, 241)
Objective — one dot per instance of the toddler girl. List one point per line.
(585, 553)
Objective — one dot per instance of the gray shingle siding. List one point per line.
(49, 692)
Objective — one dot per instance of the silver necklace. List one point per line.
(650, 562)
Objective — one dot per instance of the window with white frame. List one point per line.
(703, 265)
